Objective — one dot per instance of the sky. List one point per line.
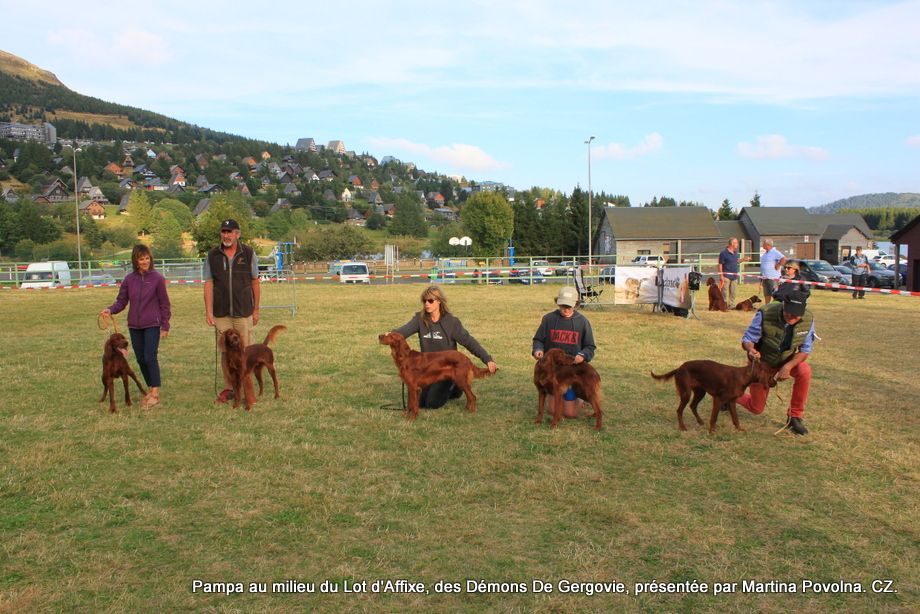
(804, 102)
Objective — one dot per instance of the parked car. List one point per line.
(879, 276)
(820, 271)
(846, 273)
(46, 275)
(903, 272)
(649, 260)
(885, 260)
(566, 267)
(355, 273)
(525, 276)
(608, 275)
(542, 266)
(97, 280)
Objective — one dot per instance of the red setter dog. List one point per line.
(748, 304)
(554, 373)
(240, 363)
(716, 301)
(723, 382)
(115, 365)
(420, 369)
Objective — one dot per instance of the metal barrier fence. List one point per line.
(531, 270)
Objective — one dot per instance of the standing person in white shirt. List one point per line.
(771, 266)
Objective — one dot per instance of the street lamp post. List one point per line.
(590, 237)
(76, 204)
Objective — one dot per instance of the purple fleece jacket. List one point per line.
(148, 298)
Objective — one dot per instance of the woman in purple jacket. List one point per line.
(148, 318)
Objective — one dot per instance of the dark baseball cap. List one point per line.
(229, 225)
(794, 303)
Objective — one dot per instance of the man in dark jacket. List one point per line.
(231, 288)
(782, 335)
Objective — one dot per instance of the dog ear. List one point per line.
(221, 342)
(108, 350)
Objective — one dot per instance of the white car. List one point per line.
(886, 260)
(648, 260)
(542, 266)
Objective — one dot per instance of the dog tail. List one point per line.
(665, 377)
(273, 332)
(480, 373)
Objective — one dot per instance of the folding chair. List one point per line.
(586, 294)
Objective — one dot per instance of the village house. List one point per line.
(679, 232)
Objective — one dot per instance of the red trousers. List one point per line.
(756, 399)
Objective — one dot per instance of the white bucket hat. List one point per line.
(567, 296)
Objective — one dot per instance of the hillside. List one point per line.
(903, 200)
(30, 94)
(17, 67)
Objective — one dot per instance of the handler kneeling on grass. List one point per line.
(782, 335)
(569, 331)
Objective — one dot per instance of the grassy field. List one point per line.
(124, 512)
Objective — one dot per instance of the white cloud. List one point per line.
(124, 48)
(913, 141)
(774, 146)
(458, 155)
(650, 144)
(142, 47)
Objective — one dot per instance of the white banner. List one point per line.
(635, 285)
(676, 292)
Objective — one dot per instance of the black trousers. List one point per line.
(860, 280)
(437, 394)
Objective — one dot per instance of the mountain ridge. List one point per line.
(898, 200)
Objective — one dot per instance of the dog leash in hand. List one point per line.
(104, 321)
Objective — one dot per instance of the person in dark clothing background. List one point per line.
(438, 330)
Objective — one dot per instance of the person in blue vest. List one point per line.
(782, 334)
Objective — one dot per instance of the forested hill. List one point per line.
(893, 200)
(29, 94)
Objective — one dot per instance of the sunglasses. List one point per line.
(430, 300)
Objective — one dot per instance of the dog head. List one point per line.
(398, 346)
(754, 299)
(230, 341)
(116, 345)
(556, 356)
(710, 282)
(764, 374)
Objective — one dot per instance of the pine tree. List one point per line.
(726, 212)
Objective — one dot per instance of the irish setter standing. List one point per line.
(724, 383)
(420, 369)
(556, 372)
(114, 366)
(241, 362)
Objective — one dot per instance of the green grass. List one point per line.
(123, 512)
